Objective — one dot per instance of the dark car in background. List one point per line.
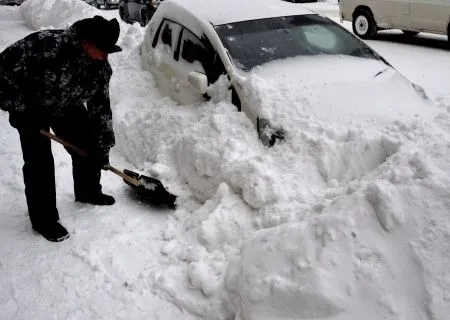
(11, 2)
(107, 4)
(137, 10)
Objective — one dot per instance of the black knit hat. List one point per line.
(101, 32)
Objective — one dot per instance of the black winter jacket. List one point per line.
(47, 73)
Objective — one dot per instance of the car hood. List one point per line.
(336, 89)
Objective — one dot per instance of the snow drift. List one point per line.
(56, 14)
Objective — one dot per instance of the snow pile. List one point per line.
(55, 13)
(59, 14)
(299, 270)
(337, 248)
(332, 223)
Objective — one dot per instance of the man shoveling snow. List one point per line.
(59, 79)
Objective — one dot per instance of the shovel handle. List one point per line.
(129, 179)
(83, 153)
(63, 142)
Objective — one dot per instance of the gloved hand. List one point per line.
(26, 120)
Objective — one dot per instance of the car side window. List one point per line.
(193, 52)
(168, 36)
(198, 54)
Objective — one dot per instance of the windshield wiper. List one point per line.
(361, 52)
(381, 72)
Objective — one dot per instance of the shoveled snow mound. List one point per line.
(296, 270)
(337, 222)
(57, 14)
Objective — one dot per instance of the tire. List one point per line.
(145, 16)
(97, 5)
(448, 36)
(364, 25)
(123, 15)
(410, 33)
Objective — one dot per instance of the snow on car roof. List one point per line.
(228, 11)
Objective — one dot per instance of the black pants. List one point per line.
(39, 171)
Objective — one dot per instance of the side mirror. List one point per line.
(198, 81)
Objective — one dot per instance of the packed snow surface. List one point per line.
(340, 221)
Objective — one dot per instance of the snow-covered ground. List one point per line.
(339, 223)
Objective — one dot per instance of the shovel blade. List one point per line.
(151, 190)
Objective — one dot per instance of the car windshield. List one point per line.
(253, 43)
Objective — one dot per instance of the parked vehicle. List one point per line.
(11, 2)
(301, 1)
(138, 10)
(187, 49)
(411, 16)
(107, 4)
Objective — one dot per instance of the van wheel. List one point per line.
(364, 25)
(410, 33)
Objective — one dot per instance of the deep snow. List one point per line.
(339, 222)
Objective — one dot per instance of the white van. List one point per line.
(411, 16)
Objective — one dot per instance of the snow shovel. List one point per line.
(148, 188)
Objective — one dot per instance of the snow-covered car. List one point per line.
(271, 52)
(137, 10)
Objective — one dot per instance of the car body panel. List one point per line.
(431, 15)
(412, 15)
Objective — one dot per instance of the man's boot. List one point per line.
(99, 199)
(52, 231)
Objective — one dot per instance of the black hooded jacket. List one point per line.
(46, 74)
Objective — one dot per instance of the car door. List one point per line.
(163, 65)
(392, 13)
(192, 57)
(430, 15)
